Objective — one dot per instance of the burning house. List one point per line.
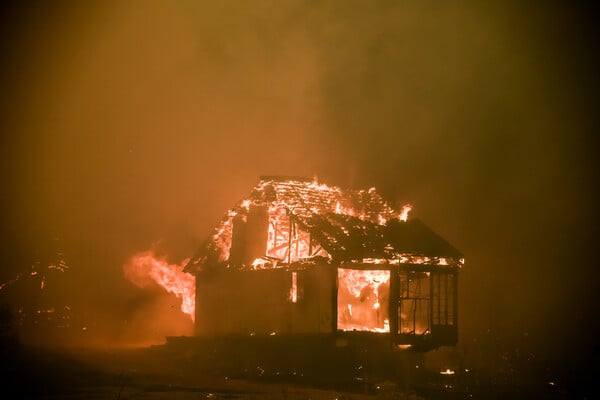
(298, 257)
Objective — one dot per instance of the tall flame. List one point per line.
(405, 210)
(145, 268)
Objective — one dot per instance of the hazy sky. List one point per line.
(131, 122)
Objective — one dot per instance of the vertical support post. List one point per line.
(197, 316)
(334, 296)
(431, 298)
(289, 237)
(439, 298)
(446, 298)
(394, 301)
(455, 295)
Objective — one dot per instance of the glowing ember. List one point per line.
(261, 263)
(145, 268)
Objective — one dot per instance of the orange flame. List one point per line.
(145, 268)
(404, 213)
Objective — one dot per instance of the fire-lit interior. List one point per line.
(407, 299)
(299, 256)
(363, 300)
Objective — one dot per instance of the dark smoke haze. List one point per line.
(128, 123)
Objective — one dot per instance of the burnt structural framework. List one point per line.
(298, 257)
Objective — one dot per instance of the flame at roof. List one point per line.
(349, 225)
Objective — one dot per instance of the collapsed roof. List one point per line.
(314, 220)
